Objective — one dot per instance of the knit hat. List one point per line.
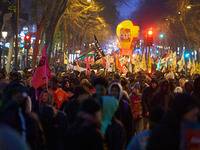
(90, 106)
(183, 103)
(136, 86)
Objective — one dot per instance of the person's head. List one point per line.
(2, 74)
(91, 108)
(124, 83)
(136, 89)
(189, 86)
(86, 83)
(164, 85)
(178, 90)
(82, 93)
(47, 97)
(15, 76)
(15, 93)
(185, 107)
(54, 83)
(182, 82)
(66, 84)
(70, 92)
(115, 90)
(154, 83)
(100, 85)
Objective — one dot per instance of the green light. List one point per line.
(161, 35)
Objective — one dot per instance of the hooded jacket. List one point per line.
(27, 124)
(147, 94)
(112, 128)
(124, 113)
(162, 99)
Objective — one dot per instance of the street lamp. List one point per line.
(4, 35)
(89, 1)
(188, 7)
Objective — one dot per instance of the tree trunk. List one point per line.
(10, 52)
(35, 52)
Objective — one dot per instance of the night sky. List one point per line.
(125, 10)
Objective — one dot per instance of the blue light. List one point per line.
(157, 51)
(162, 36)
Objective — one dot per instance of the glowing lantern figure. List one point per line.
(127, 32)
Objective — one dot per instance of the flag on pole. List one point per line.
(66, 60)
(108, 67)
(189, 64)
(88, 65)
(118, 65)
(144, 64)
(181, 63)
(149, 63)
(164, 60)
(124, 69)
(174, 62)
(77, 65)
(43, 72)
(98, 50)
(130, 64)
(114, 64)
(104, 62)
(197, 67)
(193, 67)
(158, 65)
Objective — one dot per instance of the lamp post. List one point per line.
(4, 35)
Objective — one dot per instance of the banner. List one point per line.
(43, 72)
(181, 63)
(66, 60)
(104, 62)
(88, 65)
(190, 136)
(98, 51)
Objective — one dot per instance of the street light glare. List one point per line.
(188, 7)
(89, 1)
(161, 35)
(4, 34)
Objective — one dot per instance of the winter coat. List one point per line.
(27, 124)
(166, 136)
(84, 135)
(112, 128)
(196, 93)
(124, 113)
(147, 95)
(114, 136)
(162, 100)
(55, 124)
(71, 109)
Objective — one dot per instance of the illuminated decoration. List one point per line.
(127, 32)
(162, 36)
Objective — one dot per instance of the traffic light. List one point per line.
(162, 36)
(27, 41)
(149, 37)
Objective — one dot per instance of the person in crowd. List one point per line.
(139, 142)
(136, 102)
(46, 99)
(196, 93)
(55, 124)
(172, 85)
(147, 95)
(86, 83)
(124, 112)
(72, 107)
(189, 87)
(100, 84)
(59, 95)
(112, 128)
(27, 124)
(66, 84)
(163, 98)
(166, 136)
(86, 134)
(11, 139)
(178, 90)
(182, 82)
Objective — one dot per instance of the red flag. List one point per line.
(104, 61)
(118, 65)
(124, 69)
(43, 72)
(87, 65)
(77, 61)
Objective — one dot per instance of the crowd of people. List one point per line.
(75, 111)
